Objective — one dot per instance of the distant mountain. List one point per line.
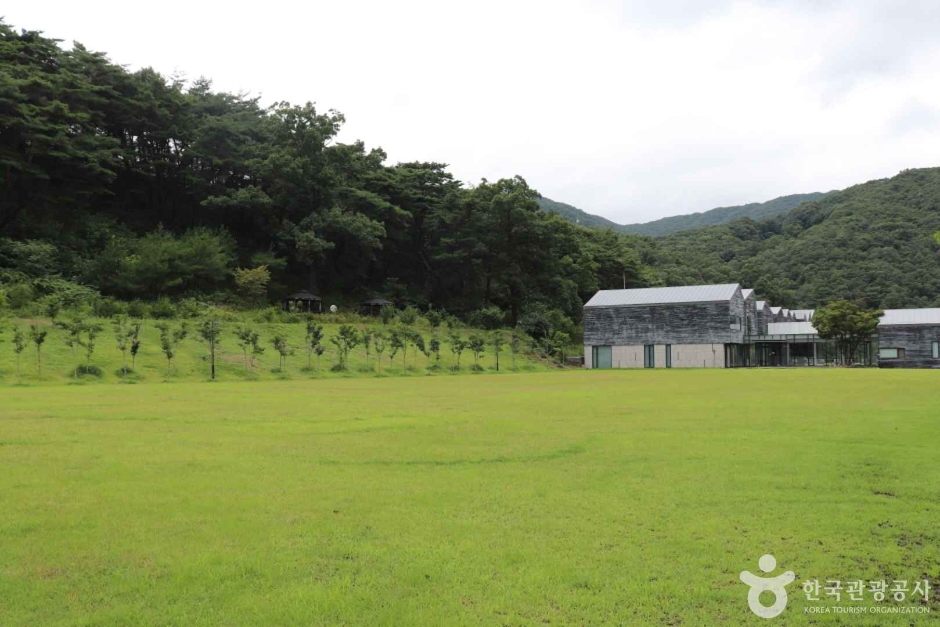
(877, 244)
(722, 215)
(573, 214)
(674, 224)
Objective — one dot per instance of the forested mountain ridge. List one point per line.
(136, 186)
(722, 215)
(874, 243)
(573, 214)
(674, 224)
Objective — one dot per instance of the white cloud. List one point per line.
(633, 110)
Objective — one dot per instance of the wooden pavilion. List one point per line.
(303, 301)
(373, 306)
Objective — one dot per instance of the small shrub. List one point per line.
(191, 308)
(252, 284)
(487, 318)
(163, 309)
(408, 316)
(435, 317)
(89, 370)
(50, 307)
(20, 295)
(269, 315)
(70, 295)
(109, 308)
(138, 309)
(388, 314)
(337, 368)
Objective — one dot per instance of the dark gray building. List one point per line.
(666, 327)
(764, 316)
(723, 326)
(750, 312)
(909, 338)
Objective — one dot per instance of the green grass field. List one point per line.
(582, 498)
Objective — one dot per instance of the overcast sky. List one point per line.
(631, 110)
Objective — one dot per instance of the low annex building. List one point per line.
(725, 326)
(909, 338)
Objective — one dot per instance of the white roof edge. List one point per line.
(898, 317)
(683, 294)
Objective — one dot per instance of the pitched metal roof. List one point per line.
(803, 314)
(761, 304)
(910, 316)
(663, 295)
(746, 292)
(775, 310)
(791, 328)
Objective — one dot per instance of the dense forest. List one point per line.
(141, 186)
(875, 244)
(133, 185)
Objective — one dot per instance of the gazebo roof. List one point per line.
(377, 302)
(303, 295)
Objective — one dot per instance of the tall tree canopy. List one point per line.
(144, 186)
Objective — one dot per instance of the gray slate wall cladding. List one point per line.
(750, 305)
(762, 315)
(684, 323)
(916, 341)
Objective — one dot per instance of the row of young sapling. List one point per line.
(81, 334)
(374, 343)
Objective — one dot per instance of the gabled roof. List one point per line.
(791, 328)
(775, 310)
(663, 295)
(910, 316)
(746, 292)
(761, 304)
(803, 314)
(303, 295)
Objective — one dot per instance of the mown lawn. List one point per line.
(579, 498)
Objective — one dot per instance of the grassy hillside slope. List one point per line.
(191, 362)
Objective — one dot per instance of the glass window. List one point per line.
(649, 356)
(669, 355)
(888, 353)
(935, 348)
